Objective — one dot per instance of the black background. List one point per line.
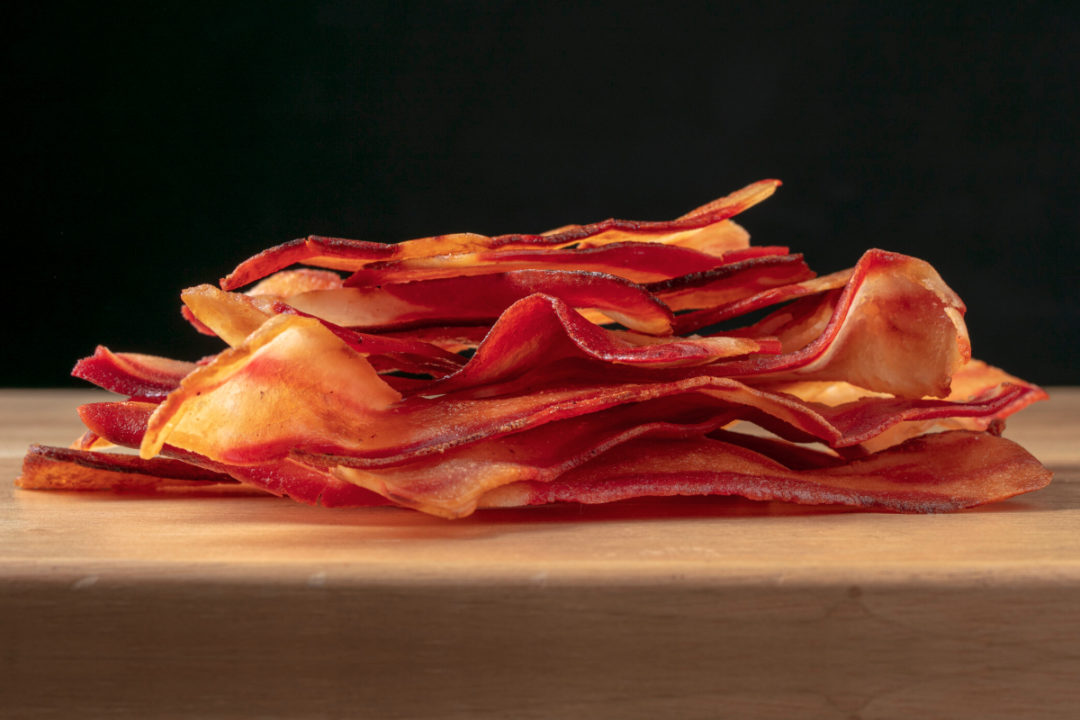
(154, 146)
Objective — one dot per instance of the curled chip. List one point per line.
(588, 364)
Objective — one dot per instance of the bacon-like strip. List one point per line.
(142, 377)
(341, 254)
(540, 330)
(125, 423)
(731, 282)
(481, 299)
(271, 388)
(940, 472)
(305, 484)
(698, 319)
(681, 231)
(53, 468)
(638, 262)
(974, 380)
(736, 202)
(334, 253)
(233, 317)
(237, 315)
(895, 328)
(789, 454)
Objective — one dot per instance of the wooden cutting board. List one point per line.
(231, 606)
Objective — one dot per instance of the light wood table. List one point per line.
(204, 606)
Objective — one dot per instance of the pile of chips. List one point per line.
(592, 363)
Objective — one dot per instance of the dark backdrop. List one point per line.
(154, 146)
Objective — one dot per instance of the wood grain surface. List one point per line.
(217, 605)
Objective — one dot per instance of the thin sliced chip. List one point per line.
(233, 317)
(638, 262)
(251, 393)
(540, 330)
(53, 468)
(479, 300)
(124, 424)
(730, 283)
(941, 472)
(895, 328)
(333, 253)
(143, 377)
(974, 380)
(693, 321)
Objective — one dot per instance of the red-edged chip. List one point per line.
(124, 424)
(481, 299)
(53, 468)
(639, 262)
(142, 377)
(540, 330)
(940, 472)
(896, 327)
(728, 283)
